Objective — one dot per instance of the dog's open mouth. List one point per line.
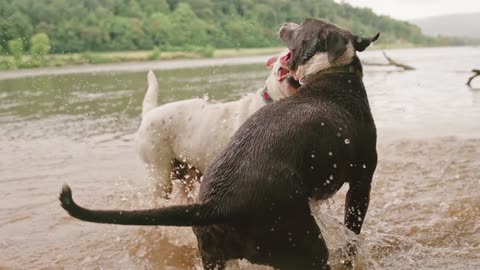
(285, 59)
(284, 71)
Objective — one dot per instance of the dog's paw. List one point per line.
(66, 200)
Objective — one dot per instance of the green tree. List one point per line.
(187, 29)
(15, 26)
(39, 47)
(159, 28)
(154, 6)
(98, 25)
(16, 49)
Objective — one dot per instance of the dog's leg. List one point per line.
(358, 198)
(186, 175)
(356, 205)
(304, 246)
(210, 243)
(213, 264)
(160, 171)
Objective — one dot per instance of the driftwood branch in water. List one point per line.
(477, 73)
(391, 62)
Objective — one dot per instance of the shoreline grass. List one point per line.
(73, 59)
(58, 60)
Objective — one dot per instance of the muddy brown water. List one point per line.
(79, 128)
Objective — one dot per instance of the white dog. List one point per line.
(194, 131)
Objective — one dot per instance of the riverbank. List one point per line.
(135, 61)
(136, 66)
(8, 63)
(91, 58)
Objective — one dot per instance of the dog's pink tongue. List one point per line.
(282, 74)
(284, 60)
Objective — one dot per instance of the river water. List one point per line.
(79, 128)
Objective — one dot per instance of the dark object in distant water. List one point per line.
(391, 62)
(477, 73)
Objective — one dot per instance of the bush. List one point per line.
(207, 51)
(155, 55)
(39, 47)
(15, 47)
(5, 64)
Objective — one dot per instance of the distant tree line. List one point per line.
(114, 25)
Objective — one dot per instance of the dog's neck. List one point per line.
(319, 63)
(354, 67)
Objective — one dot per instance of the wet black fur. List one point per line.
(254, 198)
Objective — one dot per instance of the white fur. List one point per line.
(320, 62)
(194, 130)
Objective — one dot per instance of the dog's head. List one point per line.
(316, 45)
(279, 83)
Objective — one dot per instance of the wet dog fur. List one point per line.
(254, 198)
(194, 131)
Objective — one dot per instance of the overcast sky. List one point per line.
(414, 9)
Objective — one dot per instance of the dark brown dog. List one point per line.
(254, 198)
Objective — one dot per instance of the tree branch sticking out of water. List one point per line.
(477, 73)
(391, 62)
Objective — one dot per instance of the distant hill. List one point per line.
(455, 25)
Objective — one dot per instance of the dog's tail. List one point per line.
(150, 99)
(184, 215)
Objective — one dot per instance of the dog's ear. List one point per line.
(361, 43)
(335, 45)
(271, 61)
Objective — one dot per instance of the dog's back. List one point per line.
(310, 143)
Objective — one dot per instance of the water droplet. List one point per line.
(335, 165)
(331, 176)
(330, 153)
(323, 124)
(364, 166)
(347, 141)
(313, 156)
